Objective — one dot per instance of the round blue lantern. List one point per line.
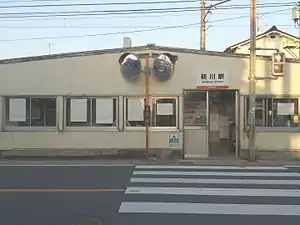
(131, 66)
(163, 67)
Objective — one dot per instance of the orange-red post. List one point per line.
(147, 102)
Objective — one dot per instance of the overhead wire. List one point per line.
(24, 15)
(129, 3)
(134, 31)
(100, 4)
(37, 1)
(121, 27)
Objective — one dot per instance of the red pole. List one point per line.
(147, 103)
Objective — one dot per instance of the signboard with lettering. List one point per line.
(212, 80)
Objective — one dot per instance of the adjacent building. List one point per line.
(273, 38)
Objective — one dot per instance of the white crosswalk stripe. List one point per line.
(235, 190)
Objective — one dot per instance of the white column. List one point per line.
(60, 117)
(2, 113)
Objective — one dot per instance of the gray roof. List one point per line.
(132, 49)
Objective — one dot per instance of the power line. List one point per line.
(122, 27)
(130, 16)
(127, 3)
(100, 4)
(103, 34)
(37, 1)
(132, 32)
(121, 12)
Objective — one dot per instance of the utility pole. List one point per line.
(203, 26)
(203, 16)
(252, 80)
(296, 18)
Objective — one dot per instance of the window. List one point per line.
(275, 112)
(259, 111)
(163, 111)
(31, 112)
(195, 108)
(96, 112)
(284, 112)
(135, 112)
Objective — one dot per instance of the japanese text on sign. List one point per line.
(212, 80)
(212, 77)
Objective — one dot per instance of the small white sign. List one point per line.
(285, 108)
(164, 109)
(78, 110)
(105, 111)
(135, 109)
(174, 141)
(17, 110)
(213, 80)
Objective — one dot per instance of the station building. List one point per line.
(92, 103)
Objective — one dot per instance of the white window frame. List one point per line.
(90, 127)
(151, 98)
(125, 98)
(176, 128)
(12, 128)
(272, 128)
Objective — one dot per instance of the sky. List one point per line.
(38, 29)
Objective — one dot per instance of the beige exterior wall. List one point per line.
(280, 42)
(99, 75)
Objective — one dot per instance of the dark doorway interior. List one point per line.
(222, 123)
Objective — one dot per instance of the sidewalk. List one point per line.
(131, 162)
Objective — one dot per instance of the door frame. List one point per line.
(195, 127)
(237, 117)
(237, 123)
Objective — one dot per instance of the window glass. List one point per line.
(284, 112)
(259, 111)
(276, 112)
(195, 108)
(38, 112)
(134, 115)
(164, 112)
(104, 112)
(86, 112)
(78, 112)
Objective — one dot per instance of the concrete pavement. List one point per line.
(131, 162)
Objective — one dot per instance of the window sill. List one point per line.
(278, 129)
(152, 129)
(195, 127)
(90, 129)
(30, 129)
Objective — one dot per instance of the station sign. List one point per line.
(213, 80)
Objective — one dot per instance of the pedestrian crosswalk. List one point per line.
(233, 190)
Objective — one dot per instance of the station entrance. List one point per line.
(210, 119)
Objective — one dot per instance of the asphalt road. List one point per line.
(212, 195)
(60, 195)
(148, 194)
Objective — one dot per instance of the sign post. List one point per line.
(147, 105)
